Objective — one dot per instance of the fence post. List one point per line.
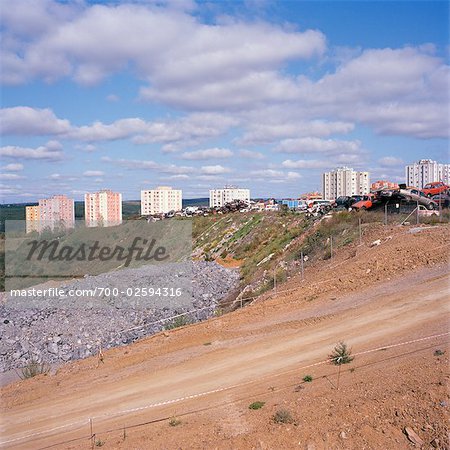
(275, 279)
(92, 433)
(417, 214)
(360, 231)
(385, 214)
(331, 248)
(302, 265)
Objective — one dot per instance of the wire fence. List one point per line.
(92, 438)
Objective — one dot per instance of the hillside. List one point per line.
(192, 386)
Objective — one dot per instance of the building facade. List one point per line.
(56, 211)
(103, 208)
(161, 200)
(344, 181)
(33, 219)
(426, 171)
(219, 197)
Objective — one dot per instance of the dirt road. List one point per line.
(219, 361)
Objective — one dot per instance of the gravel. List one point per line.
(60, 328)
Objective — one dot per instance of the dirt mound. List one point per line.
(192, 387)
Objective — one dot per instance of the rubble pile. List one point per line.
(64, 328)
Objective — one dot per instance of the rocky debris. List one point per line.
(413, 436)
(63, 328)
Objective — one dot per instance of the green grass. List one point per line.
(307, 378)
(177, 323)
(256, 405)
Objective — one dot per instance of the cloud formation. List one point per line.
(52, 151)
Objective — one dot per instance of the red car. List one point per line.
(365, 203)
(435, 188)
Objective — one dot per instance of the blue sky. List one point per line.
(256, 93)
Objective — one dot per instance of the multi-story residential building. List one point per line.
(161, 200)
(57, 211)
(344, 181)
(219, 197)
(383, 184)
(103, 208)
(32, 217)
(426, 171)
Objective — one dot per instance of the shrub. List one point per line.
(439, 352)
(256, 405)
(33, 368)
(173, 422)
(180, 321)
(307, 378)
(282, 416)
(99, 443)
(340, 355)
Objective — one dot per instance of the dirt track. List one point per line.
(269, 344)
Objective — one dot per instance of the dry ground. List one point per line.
(206, 375)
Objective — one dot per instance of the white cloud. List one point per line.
(14, 167)
(270, 127)
(10, 176)
(277, 176)
(249, 154)
(317, 145)
(209, 153)
(52, 151)
(93, 173)
(214, 170)
(305, 164)
(390, 161)
(112, 98)
(26, 121)
(224, 58)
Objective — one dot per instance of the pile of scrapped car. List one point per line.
(433, 196)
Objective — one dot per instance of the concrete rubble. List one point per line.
(55, 330)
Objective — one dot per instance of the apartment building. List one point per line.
(103, 208)
(344, 181)
(219, 197)
(426, 171)
(161, 200)
(57, 211)
(32, 218)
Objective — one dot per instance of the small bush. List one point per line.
(207, 343)
(439, 352)
(307, 378)
(340, 355)
(283, 416)
(256, 405)
(173, 422)
(33, 368)
(99, 443)
(180, 321)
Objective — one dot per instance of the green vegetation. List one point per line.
(439, 352)
(180, 321)
(307, 378)
(173, 422)
(256, 405)
(33, 368)
(283, 416)
(340, 355)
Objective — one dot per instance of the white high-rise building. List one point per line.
(426, 171)
(219, 197)
(344, 181)
(161, 200)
